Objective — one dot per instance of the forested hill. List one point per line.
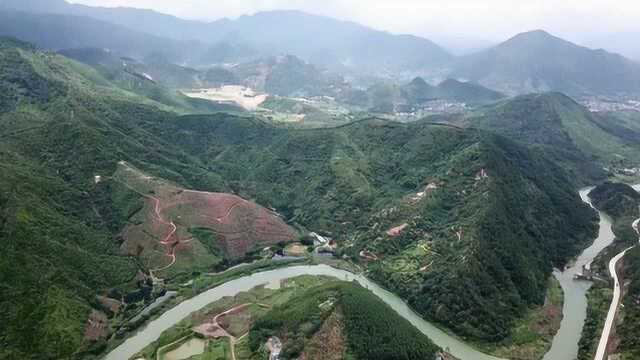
(486, 219)
(61, 124)
(616, 199)
(471, 201)
(563, 130)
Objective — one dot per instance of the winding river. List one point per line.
(564, 347)
(574, 310)
(153, 330)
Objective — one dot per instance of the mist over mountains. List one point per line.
(529, 62)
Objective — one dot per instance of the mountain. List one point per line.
(155, 79)
(537, 61)
(70, 209)
(61, 31)
(334, 42)
(147, 21)
(286, 75)
(62, 226)
(458, 196)
(620, 42)
(391, 98)
(321, 40)
(616, 199)
(564, 130)
(418, 91)
(468, 92)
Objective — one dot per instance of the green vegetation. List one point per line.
(562, 131)
(531, 335)
(298, 311)
(617, 200)
(627, 331)
(357, 174)
(366, 324)
(476, 255)
(598, 301)
(391, 98)
(621, 202)
(60, 227)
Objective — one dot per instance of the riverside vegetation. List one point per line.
(620, 201)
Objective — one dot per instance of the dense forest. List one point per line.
(563, 131)
(363, 321)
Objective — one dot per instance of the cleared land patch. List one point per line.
(185, 230)
(243, 96)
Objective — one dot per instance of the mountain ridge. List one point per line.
(537, 61)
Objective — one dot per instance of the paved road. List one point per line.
(601, 352)
(613, 308)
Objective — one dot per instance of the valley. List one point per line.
(197, 190)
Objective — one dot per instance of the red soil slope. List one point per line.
(240, 225)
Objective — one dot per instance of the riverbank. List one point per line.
(532, 335)
(562, 343)
(565, 343)
(167, 320)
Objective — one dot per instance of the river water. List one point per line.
(565, 343)
(153, 330)
(564, 347)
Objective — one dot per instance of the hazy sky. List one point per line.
(492, 20)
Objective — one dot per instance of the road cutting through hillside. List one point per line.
(171, 252)
(171, 247)
(601, 352)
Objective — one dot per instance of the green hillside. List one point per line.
(61, 229)
(621, 202)
(357, 182)
(344, 310)
(563, 130)
(486, 219)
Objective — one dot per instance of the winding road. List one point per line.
(601, 352)
(171, 251)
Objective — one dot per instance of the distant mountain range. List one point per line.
(537, 61)
(529, 62)
(322, 40)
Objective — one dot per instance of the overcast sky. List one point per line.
(492, 20)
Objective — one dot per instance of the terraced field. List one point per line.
(181, 230)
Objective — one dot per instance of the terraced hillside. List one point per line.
(182, 230)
